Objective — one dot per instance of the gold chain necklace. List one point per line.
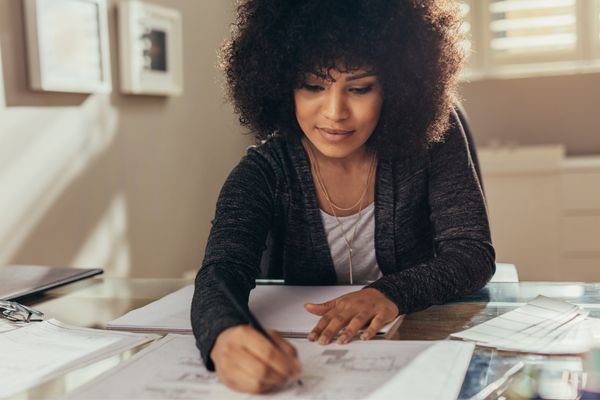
(324, 189)
(321, 183)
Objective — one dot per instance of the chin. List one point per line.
(333, 151)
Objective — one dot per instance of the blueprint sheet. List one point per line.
(171, 369)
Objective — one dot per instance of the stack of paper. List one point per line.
(543, 325)
(278, 307)
(36, 352)
(378, 369)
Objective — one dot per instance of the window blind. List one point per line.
(527, 28)
(465, 29)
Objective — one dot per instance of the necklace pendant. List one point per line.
(350, 251)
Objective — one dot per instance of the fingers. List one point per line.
(329, 326)
(320, 309)
(353, 327)
(350, 313)
(246, 360)
(249, 374)
(283, 344)
(284, 362)
(376, 324)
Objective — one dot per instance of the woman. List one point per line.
(363, 175)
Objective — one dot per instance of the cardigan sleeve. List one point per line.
(234, 248)
(464, 259)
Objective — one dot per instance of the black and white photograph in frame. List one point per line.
(150, 49)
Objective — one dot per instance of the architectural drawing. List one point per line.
(171, 368)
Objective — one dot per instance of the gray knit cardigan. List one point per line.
(432, 239)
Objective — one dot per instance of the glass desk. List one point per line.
(94, 302)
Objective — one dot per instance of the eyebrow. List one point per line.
(348, 79)
(358, 76)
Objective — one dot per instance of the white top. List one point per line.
(364, 263)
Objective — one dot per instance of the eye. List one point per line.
(312, 88)
(362, 89)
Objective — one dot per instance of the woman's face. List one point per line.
(339, 114)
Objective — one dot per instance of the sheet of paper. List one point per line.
(36, 352)
(543, 325)
(278, 307)
(171, 368)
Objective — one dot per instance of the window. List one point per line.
(529, 37)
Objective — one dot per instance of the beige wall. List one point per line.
(543, 110)
(124, 182)
(129, 183)
(530, 225)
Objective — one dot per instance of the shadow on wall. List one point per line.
(49, 144)
(45, 152)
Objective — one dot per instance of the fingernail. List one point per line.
(342, 339)
(363, 336)
(323, 340)
(312, 336)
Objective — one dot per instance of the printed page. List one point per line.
(171, 368)
(36, 352)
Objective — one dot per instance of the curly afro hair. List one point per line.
(412, 45)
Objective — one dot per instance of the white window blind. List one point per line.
(526, 29)
(527, 37)
(467, 16)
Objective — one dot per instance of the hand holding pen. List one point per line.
(250, 359)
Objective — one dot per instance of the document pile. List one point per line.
(379, 369)
(544, 326)
(33, 353)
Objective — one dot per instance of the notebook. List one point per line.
(278, 307)
(21, 280)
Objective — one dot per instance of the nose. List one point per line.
(335, 107)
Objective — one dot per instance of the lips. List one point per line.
(335, 135)
(332, 131)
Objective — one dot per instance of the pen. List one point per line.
(249, 317)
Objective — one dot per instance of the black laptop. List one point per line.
(22, 280)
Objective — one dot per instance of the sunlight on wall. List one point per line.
(107, 246)
(42, 149)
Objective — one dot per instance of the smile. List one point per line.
(335, 131)
(334, 135)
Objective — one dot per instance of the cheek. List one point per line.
(299, 106)
(304, 110)
(370, 113)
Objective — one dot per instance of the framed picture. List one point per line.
(67, 45)
(150, 49)
(2, 100)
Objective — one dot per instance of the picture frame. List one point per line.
(150, 49)
(2, 96)
(67, 45)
